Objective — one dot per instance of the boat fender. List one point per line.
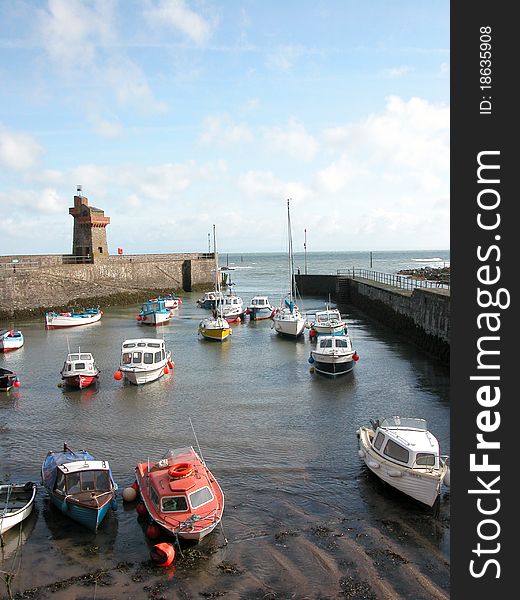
(141, 509)
(358, 433)
(361, 453)
(153, 531)
(310, 360)
(113, 504)
(162, 554)
(129, 494)
(311, 370)
(394, 473)
(355, 357)
(180, 470)
(373, 465)
(447, 478)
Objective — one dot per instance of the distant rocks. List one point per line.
(439, 274)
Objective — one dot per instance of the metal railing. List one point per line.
(404, 282)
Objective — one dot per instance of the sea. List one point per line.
(304, 518)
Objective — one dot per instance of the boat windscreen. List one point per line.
(404, 423)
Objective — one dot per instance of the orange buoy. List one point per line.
(118, 375)
(153, 531)
(171, 364)
(180, 470)
(162, 554)
(166, 370)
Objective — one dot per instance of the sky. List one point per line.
(174, 115)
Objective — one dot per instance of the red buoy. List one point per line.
(170, 364)
(355, 357)
(135, 485)
(166, 370)
(138, 318)
(162, 554)
(141, 509)
(17, 384)
(153, 531)
(118, 375)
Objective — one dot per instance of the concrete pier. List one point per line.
(422, 315)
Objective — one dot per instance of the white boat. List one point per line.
(79, 370)
(333, 355)
(287, 319)
(10, 339)
(232, 308)
(215, 327)
(72, 319)
(144, 360)
(328, 321)
(404, 454)
(260, 308)
(16, 504)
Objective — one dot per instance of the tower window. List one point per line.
(100, 248)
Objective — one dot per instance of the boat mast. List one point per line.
(291, 265)
(218, 302)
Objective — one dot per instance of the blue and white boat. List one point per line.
(10, 339)
(72, 319)
(82, 487)
(154, 312)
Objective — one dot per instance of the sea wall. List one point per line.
(34, 284)
(420, 315)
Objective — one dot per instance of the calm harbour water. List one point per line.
(304, 518)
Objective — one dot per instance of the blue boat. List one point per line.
(154, 312)
(82, 487)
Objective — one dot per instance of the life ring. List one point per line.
(180, 470)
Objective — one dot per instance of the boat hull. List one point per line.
(330, 329)
(7, 380)
(80, 381)
(138, 377)
(91, 518)
(155, 319)
(217, 335)
(332, 366)
(260, 314)
(15, 512)
(422, 486)
(62, 321)
(290, 328)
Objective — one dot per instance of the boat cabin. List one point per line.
(260, 302)
(406, 442)
(231, 301)
(82, 361)
(324, 317)
(154, 306)
(335, 341)
(82, 476)
(142, 352)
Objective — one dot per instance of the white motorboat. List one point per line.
(10, 339)
(16, 504)
(333, 355)
(79, 370)
(216, 327)
(404, 454)
(260, 308)
(287, 319)
(73, 319)
(144, 360)
(232, 308)
(209, 300)
(154, 312)
(328, 321)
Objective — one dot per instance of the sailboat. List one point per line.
(287, 319)
(215, 327)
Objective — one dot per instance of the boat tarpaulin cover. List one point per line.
(54, 459)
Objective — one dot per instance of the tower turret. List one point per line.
(89, 238)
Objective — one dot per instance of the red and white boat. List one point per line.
(181, 494)
(79, 370)
(72, 319)
(10, 340)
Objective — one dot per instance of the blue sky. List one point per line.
(177, 114)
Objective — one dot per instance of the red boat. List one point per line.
(79, 370)
(180, 494)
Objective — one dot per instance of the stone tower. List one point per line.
(90, 237)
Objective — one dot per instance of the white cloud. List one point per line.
(395, 72)
(179, 16)
(71, 29)
(334, 177)
(292, 140)
(221, 129)
(284, 58)
(264, 185)
(107, 129)
(18, 151)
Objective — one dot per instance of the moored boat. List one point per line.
(171, 301)
(287, 319)
(333, 355)
(329, 322)
(82, 487)
(404, 454)
(181, 494)
(232, 308)
(79, 370)
(10, 339)
(154, 312)
(72, 318)
(144, 360)
(209, 300)
(16, 504)
(260, 308)
(8, 379)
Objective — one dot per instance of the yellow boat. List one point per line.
(215, 329)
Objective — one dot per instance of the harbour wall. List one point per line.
(420, 315)
(33, 284)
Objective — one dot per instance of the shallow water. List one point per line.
(304, 518)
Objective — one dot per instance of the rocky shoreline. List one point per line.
(439, 274)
